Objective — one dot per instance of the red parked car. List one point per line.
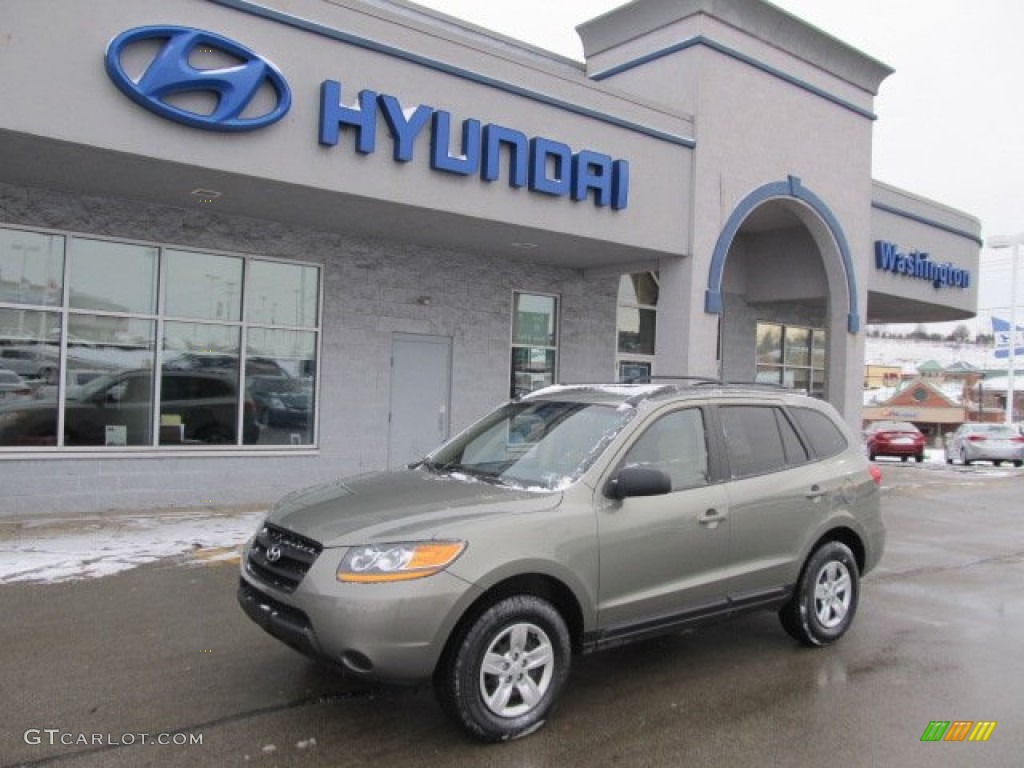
(894, 438)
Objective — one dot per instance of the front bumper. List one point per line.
(391, 632)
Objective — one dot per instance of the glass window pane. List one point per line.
(634, 371)
(796, 454)
(798, 346)
(532, 369)
(675, 445)
(639, 288)
(31, 268)
(799, 378)
(203, 285)
(818, 384)
(752, 440)
(281, 294)
(769, 344)
(280, 380)
(534, 320)
(766, 374)
(199, 385)
(113, 277)
(637, 330)
(29, 360)
(826, 438)
(818, 355)
(115, 407)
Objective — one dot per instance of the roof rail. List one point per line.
(648, 378)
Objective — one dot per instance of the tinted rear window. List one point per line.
(824, 435)
(752, 440)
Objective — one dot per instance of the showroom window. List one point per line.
(128, 345)
(791, 355)
(636, 320)
(534, 342)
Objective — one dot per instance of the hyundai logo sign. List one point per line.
(171, 73)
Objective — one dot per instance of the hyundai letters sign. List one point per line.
(240, 91)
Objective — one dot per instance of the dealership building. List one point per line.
(249, 245)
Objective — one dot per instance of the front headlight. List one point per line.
(398, 562)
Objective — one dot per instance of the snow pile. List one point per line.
(52, 551)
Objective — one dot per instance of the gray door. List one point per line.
(420, 395)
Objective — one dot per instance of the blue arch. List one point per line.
(780, 189)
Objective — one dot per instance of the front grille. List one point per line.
(281, 558)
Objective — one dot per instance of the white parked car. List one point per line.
(985, 442)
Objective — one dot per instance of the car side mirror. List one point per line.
(638, 481)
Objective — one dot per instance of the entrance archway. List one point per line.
(782, 281)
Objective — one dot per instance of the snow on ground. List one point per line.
(55, 550)
(52, 550)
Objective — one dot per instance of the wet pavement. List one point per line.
(162, 652)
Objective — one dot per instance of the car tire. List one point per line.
(919, 458)
(825, 600)
(904, 459)
(1018, 463)
(504, 671)
(872, 456)
(963, 458)
(997, 462)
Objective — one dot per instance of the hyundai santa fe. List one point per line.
(571, 520)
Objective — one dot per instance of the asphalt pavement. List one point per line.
(99, 670)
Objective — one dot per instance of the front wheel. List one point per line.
(825, 601)
(503, 673)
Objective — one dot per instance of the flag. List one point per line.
(1001, 331)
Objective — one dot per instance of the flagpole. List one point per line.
(1004, 241)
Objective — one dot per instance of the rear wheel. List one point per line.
(919, 458)
(504, 672)
(825, 601)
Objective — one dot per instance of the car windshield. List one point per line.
(542, 444)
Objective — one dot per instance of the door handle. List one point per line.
(711, 518)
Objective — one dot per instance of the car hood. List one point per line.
(397, 506)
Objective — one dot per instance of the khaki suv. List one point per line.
(571, 520)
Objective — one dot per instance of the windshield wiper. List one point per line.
(474, 472)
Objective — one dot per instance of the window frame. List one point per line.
(513, 345)
(159, 318)
(817, 340)
(636, 358)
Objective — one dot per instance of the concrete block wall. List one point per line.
(372, 289)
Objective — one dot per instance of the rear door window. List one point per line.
(753, 440)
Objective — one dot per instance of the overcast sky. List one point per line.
(950, 119)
